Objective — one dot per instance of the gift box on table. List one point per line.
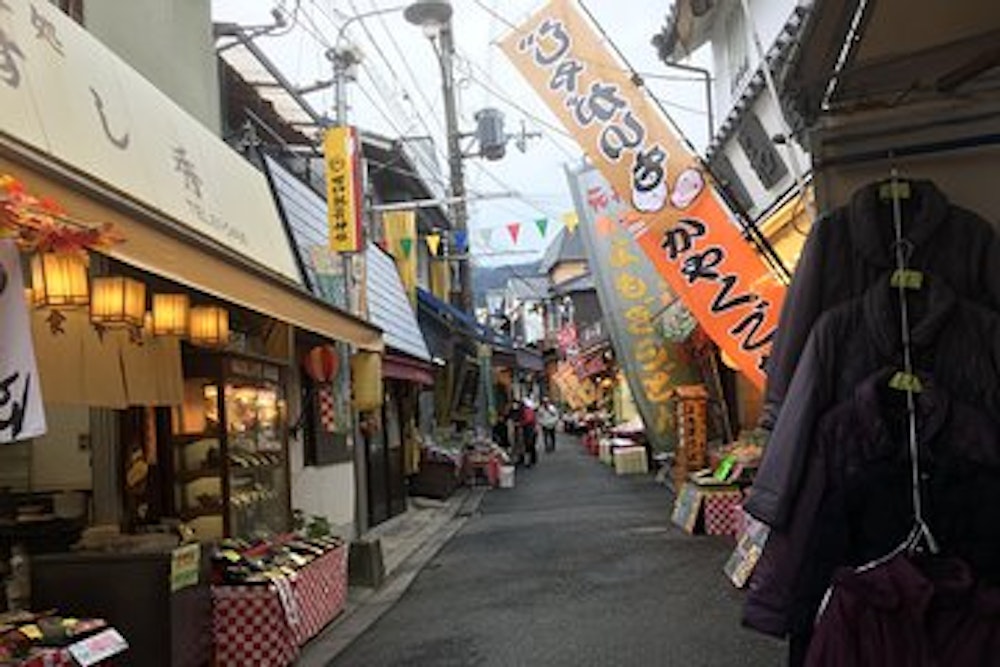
(630, 460)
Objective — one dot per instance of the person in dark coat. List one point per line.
(848, 249)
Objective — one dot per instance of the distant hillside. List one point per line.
(486, 278)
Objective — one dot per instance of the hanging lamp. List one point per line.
(59, 280)
(209, 326)
(117, 301)
(170, 314)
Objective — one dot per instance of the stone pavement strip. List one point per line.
(574, 566)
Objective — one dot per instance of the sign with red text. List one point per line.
(22, 414)
(676, 216)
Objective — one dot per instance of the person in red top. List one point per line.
(529, 427)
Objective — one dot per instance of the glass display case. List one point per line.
(230, 448)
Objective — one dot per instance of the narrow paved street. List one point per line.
(574, 567)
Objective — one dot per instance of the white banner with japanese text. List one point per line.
(22, 414)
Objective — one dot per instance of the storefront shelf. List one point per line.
(202, 473)
(247, 470)
(191, 438)
(196, 512)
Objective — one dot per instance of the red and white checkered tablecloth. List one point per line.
(720, 508)
(320, 589)
(264, 626)
(250, 628)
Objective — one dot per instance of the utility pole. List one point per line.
(459, 212)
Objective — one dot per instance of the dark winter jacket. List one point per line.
(849, 248)
(955, 341)
(920, 613)
(855, 503)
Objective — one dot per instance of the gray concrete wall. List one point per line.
(167, 41)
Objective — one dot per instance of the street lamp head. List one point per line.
(431, 15)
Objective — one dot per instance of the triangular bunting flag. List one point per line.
(514, 228)
(461, 241)
(407, 246)
(434, 243)
(486, 235)
(571, 220)
(543, 224)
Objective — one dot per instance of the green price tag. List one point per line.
(894, 190)
(907, 279)
(906, 382)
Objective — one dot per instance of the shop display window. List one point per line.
(230, 448)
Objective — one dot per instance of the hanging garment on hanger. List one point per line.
(955, 340)
(854, 507)
(906, 614)
(848, 249)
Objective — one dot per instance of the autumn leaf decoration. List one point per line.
(42, 225)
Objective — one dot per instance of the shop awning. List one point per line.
(158, 244)
(529, 360)
(389, 307)
(460, 322)
(408, 369)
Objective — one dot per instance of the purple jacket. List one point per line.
(926, 613)
(850, 248)
(854, 506)
(955, 341)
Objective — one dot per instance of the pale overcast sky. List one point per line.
(400, 81)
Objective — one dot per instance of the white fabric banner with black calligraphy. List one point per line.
(22, 414)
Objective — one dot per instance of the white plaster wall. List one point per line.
(768, 113)
(324, 490)
(769, 16)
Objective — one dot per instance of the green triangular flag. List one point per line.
(407, 245)
(543, 224)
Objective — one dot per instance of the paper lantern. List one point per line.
(170, 314)
(59, 280)
(117, 300)
(366, 380)
(208, 326)
(322, 363)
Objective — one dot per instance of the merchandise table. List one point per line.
(482, 465)
(265, 625)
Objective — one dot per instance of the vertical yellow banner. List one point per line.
(401, 242)
(440, 278)
(676, 217)
(344, 199)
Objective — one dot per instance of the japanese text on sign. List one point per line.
(343, 188)
(682, 226)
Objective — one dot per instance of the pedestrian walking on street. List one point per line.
(548, 419)
(529, 429)
(501, 432)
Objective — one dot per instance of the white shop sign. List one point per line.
(22, 414)
(66, 94)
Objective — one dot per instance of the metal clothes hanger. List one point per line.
(920, 535)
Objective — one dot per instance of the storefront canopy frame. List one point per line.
(160, 245)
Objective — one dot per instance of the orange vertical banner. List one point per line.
(678, 219)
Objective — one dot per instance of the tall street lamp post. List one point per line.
(434, 17)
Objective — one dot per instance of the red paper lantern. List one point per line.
(322, 363)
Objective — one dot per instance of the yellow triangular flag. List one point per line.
(571, 220)
(434, 243)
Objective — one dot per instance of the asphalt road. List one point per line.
(573, 567)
